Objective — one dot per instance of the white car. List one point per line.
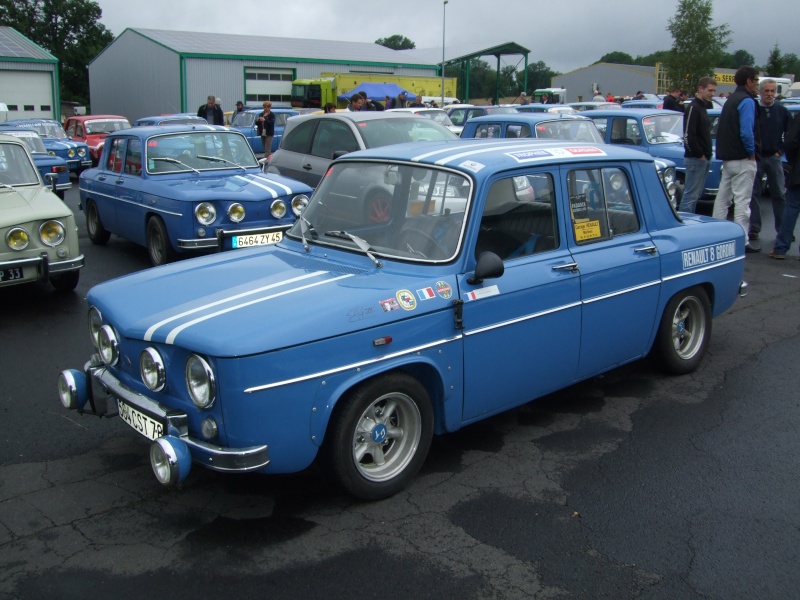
(437, 114)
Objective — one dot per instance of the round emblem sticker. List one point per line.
(406, 300)
(443, 289)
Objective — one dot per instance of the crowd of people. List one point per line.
(753, 134)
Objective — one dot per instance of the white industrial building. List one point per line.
(29, 84)
(149, 72)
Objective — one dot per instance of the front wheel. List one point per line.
(159, 248)
(94, 225)
(684, 332)
(379, 436)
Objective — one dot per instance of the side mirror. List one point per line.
(52, 180)
(489, 266)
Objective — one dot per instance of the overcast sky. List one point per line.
(565, 34)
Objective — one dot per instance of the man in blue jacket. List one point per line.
(737, 148)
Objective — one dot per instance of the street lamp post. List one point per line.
(444, 15)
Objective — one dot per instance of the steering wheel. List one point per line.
(429, 242)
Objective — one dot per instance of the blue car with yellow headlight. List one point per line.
(351, 342)
(57, 143)
(186, 189)
(45, 162)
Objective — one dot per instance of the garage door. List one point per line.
(274, 85)
(28, 94)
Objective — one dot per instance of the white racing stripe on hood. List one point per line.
(461, 147)
(148, 336)
(174, 333)
(259, 184)
(255, 178)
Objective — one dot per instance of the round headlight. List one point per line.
(236, 212)
(107, 345)
(299, 203)
(669, 175)
(200, 381)
(17, 238)
(51, 233)
(52, 152)
(152, 370)
(95, 323)
(206, 213)
(278, 209)
(82, 151)
(71, 152)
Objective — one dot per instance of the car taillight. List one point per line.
(58, 169)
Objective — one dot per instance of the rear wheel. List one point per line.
(94, 225)
(684, 332)
(379, 436)
(159, 248)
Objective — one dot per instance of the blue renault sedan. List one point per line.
(659, 133)
(352, 342)
(182, 189)
(57, 143)
(245, 122)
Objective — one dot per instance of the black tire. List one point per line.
(389, 419)
(159, 248)
(94, 225)
(65, 282)
(684, 332)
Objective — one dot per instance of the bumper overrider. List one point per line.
(172, 451)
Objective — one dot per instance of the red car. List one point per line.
(93, 129)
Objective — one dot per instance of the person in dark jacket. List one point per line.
(792, 207)
(697, 144)
(211, 112)
(773, 123)
(737, 148)
(671, 101)
(265, 127)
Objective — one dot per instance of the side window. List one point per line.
(625, 131)
(601, 205)
(519, 217)
(79, 131)
(115, 154)
(457, 117)
(487, 130)
(518, 131)
(71, 129)
(601, 123)
(133, 160)
(299, 138)
(332, 136)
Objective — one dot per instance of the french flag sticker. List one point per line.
(426, 293)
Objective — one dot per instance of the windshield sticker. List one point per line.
(426, 293)
(698, 257)
(104, 121)
(542, 154)
(406, 300)
(471, 165)
(444, 290)
(492, 290)
(389, 304)
(23, 134)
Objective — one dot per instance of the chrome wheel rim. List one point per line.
(386, 437)
(688, 328)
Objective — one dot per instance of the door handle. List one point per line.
(646, 250)
(307, 167)
(101, 178)
(572, 267)
(118, 181)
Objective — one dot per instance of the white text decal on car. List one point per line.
(542, 154)
(697, 257)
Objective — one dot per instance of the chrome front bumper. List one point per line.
(218, 241)
(43, 264)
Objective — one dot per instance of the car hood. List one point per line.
(673, 152)
(26, 204)
(65, 144)
(247, 302)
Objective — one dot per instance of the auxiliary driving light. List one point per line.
(72, 389)
(170, 459)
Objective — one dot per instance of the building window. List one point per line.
(44, 108)
(29, 107)
(12, 107)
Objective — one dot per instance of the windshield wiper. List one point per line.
(176, 161)
(362, 244)
(306, 226)
(219, 159)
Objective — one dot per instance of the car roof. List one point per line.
(171, 118)
(280, 109)
(19, 122)
(14, 130)
(148, 130)
(360, 116)
(471, 156)
(10, 139)
(630, 112)
(85, 118)
(525, 117)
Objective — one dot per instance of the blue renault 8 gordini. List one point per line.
(57, 143)
(353, 342)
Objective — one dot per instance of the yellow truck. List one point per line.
(316, 93)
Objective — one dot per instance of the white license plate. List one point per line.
(147, 426)
(259, 239)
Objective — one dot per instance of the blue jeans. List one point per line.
(696, 171)
(790, 212)
(772, 167)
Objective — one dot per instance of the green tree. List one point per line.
(539, 76)
(616, 57)
(776, 64)
(69, 29)
(697, 46)
(792, 64)
(396, 42)
(650, 60)
(738, 59)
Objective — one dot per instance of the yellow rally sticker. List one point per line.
(587, 230)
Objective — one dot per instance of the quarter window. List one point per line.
(133, 159)
(333, 136)
(601, 205)
(115, 155)
(299, 139)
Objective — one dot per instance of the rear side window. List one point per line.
(332, 136)
(601, 204)
(115, 155)
(299, 138)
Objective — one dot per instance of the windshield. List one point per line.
(31, 140)
(383, 132)
(48, 129)
(248, 119)
(500, 110)
(198, 151)
(437, 115)
(16, 167)
(569, 129)
(407, 212)
(96, 126)
(663, 129)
